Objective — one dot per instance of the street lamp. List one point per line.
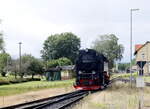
(20, 58)
(131, 10)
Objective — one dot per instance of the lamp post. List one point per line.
(20, 59)
(131, 10)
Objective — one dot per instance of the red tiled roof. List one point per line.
(138, 46)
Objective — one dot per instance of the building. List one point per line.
(60, 73)
(142, 53)
(67, 72)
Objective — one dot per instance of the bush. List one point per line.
(4, 81)
(59, 62)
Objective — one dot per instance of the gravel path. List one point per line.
(32, 95)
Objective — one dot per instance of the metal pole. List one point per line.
(131, 44)
(20, 59)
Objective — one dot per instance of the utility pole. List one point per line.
(131, 10)
(20, 60)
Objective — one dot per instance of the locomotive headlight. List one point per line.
(80, 72)
(93, 72)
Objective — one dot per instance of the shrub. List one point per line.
(4, 81)
(59, 62)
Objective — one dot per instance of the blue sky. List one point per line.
(32, 21)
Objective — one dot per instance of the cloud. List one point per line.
(32, 21)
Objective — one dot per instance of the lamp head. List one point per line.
(135, 9)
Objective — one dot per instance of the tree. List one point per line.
(58, 62)
(64, 61)
(4, 59)
(123, 66)
(30, 66)
(108, 45)
(1, 42)
(13, 67)
(35, 67)
(25, 63)
(61, 45)
(133, 62)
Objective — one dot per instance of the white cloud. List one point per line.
(32, 21)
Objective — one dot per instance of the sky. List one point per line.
(32, 21)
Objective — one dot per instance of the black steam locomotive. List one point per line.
(91, 70)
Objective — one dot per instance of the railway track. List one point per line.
(60, 101)
(114, 79)
(56, 102)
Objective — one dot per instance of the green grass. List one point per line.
(147, 78)
(127, 75)
(124, 75)
(32, 86)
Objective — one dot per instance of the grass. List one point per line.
(127, 76)
(147, 78)
(118, 96)
(12, 89)
(124, 75)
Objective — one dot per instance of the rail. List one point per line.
(56, 102)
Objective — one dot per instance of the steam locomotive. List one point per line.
(91, 70)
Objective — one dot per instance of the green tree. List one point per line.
(30, 66)
(13, 67)
(108, 45)
(35, 67)
(123, 66)
(25, 63)
(61, 45)
(59, 62)
(133, 62)
(4, 59)
(1, 41)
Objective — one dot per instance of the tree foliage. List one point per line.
(35, 67)
(108, 45)
(123, 66)
(61, 45)
(1, 43)
(13, 67)
(29, 66)
(59, 62)
(4, 59)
